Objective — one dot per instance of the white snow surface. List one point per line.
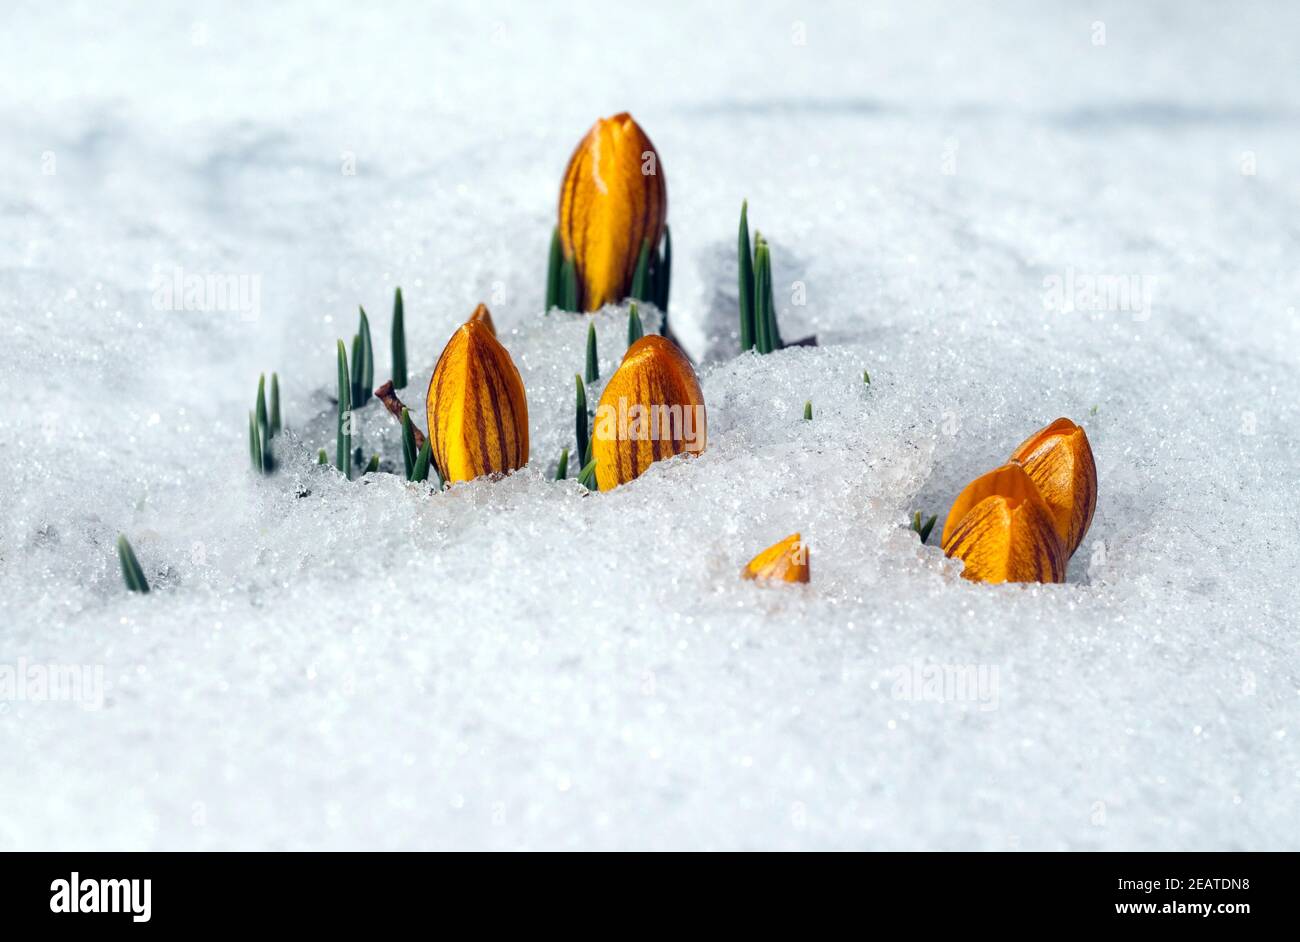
(517, 664)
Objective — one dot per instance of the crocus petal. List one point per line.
(477, 409)
(786, 561)
(652, 408)
(612, 199)
(1058, 459)
(1003, 531)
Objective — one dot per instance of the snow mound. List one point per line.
(518, 663)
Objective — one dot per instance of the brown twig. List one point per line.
(388, 397)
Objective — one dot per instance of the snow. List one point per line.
(517, 664)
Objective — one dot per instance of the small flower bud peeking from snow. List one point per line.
(1003, 530)
(652, 408)
(477, 409)
(1058, 459)
(786, 561)
(613, 198)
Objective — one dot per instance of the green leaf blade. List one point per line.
(580, 420)
(420, 472)
(132, 574)
(262, 419)
(275, 404)
(399, 341)
(367, 361)
(569, 286)
(593, 363)
(762, 341)
(408, 443)
(354, 393)
(343, 435)
(554, 271)
(663, 277)
(254, 444)
(635, 330)
(745, 259)
(641, 279)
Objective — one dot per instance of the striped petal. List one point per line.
(1003, 531)
(477, 409)
(786, 561)
(1058, 459)
(612, 199)
(652, 408)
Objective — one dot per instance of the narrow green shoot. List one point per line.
(569, 285)
(554, 271)
(580, 420)
(634, 329)
(758, 328)
(408, 443)
(354, 390)
(866, 377)
(343, 436)
(421, 470)
(923, 529)
(132, 574)
(746, 259)
(367, 362)
(641, 279)
(399, 341)
(763, 289)
(562, 471)
(373, 465)
(255, 453)
(593, 364)
(587, 478)
(275, 404)
(260, 429)
(663, 276)
(807, 411)
(265, 462)
(263, 421)
(762, 297)
(322, 457)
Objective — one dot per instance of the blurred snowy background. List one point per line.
(515, 665)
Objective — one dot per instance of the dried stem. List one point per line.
(388, 397)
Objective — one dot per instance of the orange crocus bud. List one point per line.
(478, 413)
(613, 198)
(482, 314)
(787, 561)
(1002, 529)
(1058, 459)
(652, 408)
